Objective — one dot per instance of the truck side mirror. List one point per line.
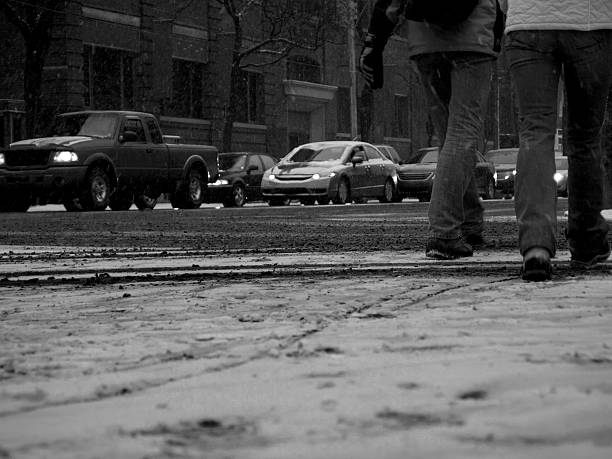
(128, 136)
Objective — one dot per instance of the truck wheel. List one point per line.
(189, 193)
(96, 194)
(120, 200)
(237, 198)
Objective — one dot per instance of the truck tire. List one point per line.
(189, 193)
(97, 190)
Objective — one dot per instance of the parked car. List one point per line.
(94, 159)
(240, 175)
(391, 153)
(337, 171)
(416, 179)
(505, 170)
(561, 175)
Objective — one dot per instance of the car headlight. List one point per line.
(332, 174)
(495, 176)
(1, 159)
(272, 176)
(220, 182)
(514, 172)
(65, 157)
(558, 177)
(316, 176)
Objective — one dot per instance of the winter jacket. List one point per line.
(583, 15)
(475, 34)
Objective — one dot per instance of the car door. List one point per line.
(358, 172)
(254, 174)
(377, 173)
(131, 156)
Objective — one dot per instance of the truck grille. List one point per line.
(26, 158)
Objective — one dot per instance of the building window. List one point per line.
(303, 68)
(401, 125)
(343, 96)
(108, 78)
(251, 100)
(186, 88)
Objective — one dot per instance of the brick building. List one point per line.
(149, 55)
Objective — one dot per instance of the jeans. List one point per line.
(537, 60)
(457, 86)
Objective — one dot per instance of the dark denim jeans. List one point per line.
(537, 60)
(457, 86)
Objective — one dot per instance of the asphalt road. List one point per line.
(305, 332)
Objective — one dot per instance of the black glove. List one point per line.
(371, 62)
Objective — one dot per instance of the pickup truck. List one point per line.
(95, 159)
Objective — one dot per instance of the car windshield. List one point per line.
(502, 156)
(308, 155)
(232, 162)
(430, 157)
(561, 163)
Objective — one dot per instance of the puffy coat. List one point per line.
(581, 15)
(475, 34)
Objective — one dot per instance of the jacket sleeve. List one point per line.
(384, 19)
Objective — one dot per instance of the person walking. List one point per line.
(453, 54)
(568, 40)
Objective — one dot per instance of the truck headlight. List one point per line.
(1, 159)
(65, 157)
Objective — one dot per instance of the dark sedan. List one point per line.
(416, 180)
(505, 170)
(240, 175)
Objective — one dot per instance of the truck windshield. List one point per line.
(99, 125)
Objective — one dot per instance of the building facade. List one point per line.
(174, 61)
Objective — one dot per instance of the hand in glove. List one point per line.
(371, 65)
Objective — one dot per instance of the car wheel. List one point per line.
(389, 191)
(490, 189)
(238, 197)
(96, 195)
(343, 194)
(120, 200)
(189, 193)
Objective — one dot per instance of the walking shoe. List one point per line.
(536, 265)
(474, 239)
(586, 260)
(447, 249)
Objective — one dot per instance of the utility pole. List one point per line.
(352, 7)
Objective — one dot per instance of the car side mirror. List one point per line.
(251, 168)
(357, 159)
(128, 136)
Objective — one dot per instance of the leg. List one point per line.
(454, 204)
(587, 81)
(535, 72)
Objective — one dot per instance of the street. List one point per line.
(312, 332)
